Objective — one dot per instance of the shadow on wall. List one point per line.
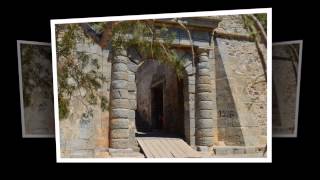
(228, 123)
(276, 119)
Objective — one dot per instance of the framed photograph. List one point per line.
(286, 69)
(36, 93)
(179, 87)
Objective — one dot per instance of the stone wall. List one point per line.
(36, 70)
(285, 90)
(241, 94)
(85, 132)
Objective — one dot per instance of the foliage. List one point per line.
(262, 19)
(78, 72)
(150, 41)
(36, 71)
(249, 24)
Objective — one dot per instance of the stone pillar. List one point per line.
(204, 116)
(132, 89)
(189, 104)
(119, 124)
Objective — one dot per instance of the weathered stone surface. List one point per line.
(204, 123)
(131, 78)
(119, 76)
(119, 84)
(205, 96)
(204, 132)
(203, 57)
(132, 87)
(204, 80)
(131, 114)
(119, 113)
(119, 94)
(133, 104)
(191, 88)
(119, 133)
(120, 67)
(203, 72)
(203, 148)
(120, 103)
(204, 65)
(204, 141)
(119, 143)
(120, 59)
(119, 123)
(203, 88)
(204, 114)
(205, 105)
(132, 67)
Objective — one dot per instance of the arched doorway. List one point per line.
(160, 100)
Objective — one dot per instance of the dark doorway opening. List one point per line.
(157, 107)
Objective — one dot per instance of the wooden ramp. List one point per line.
(163, 147)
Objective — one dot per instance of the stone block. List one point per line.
(119, 84)
(203, 88)
(204, 80)
(133, 104)
(132, 67)
(191, 88)
(203, 148)
(204, 65)
(119, 143)
(204, 114)
(119, 113)
(120, 59)
(119, 67)
(120, 103)
(131, 114)
(203, 72)
(132, 87)
(119, 94)
(120, 76)
(204, 141)
(119, 133)
(131, 78)
(119, 123)
(204, 132)
(204, 123)
(205, 96)
(205, 105)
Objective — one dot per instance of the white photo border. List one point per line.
(267, 159)
(24, 133)
(295, 132)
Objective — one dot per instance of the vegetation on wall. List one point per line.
(149, 40)
(36, 74)
(257, 25)
(79, 74)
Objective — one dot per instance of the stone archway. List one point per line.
(124, 102)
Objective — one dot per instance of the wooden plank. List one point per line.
(144, 148)
(153, 143)
(187, 149)
(167, 149)
(157, 147)
(176, 152)
(164, 152)
(180, 147)
(151, 148)
(165, 142)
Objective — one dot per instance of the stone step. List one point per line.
(237, 150)
(130, 153)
